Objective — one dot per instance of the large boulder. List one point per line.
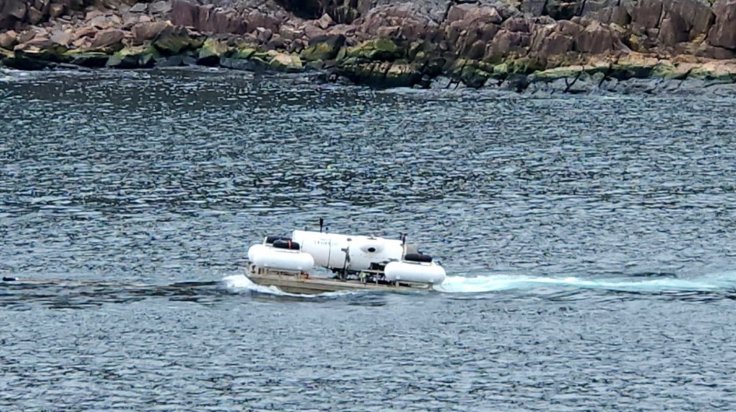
(211, 52)
(208, 19)
(723, 32)
(595, 39)
(8, 40)
(382, 74)
(286, 62)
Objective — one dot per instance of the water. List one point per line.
(589, 242)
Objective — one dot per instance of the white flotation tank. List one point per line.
(329, 249)
(431, 273)
(285, 259)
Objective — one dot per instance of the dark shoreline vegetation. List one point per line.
(573, 47)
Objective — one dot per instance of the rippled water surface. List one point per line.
(589, 242)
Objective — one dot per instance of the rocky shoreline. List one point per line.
(529, 45)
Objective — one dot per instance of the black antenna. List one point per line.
(403, 239)
(321, 222)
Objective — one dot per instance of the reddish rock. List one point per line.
(695, 16)
(61, 37)
(85, 32)
(645, 14)
(108, 38)
(595, 39)
(147, 31)
(506, 41)
(518, 24)
(723, 32)
(673, 30)
(8, 39)
(568, 28)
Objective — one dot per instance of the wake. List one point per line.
(720, 282)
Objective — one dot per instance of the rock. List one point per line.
(472, 73)
(673, 30)
(286, 62)
(323, 48)
(88, 59)
(377, 49)
(85, 32)
(563, 9)
(714, 52)
(290, 33)
(175, 39)
(14, 8)
(35, 16)
(243, 53)
(139, 8)
(8, 40)
(147, 31)
(208, 19)
(505, 42)
(105, 21)
(325, 22)
(695, 16)
(555, 44)
(723, 32)
(61, 37)
(518, 24)
(133, 57)
(263, 35)
(111, 38)
(595, 39)
(382, 74)
(211, 52)
(56, 10)
(160, 7)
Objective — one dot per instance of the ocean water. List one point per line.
(588, 240)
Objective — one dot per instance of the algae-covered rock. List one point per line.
(174, 40)
(286, 62)
(472, 73)
(133, 57)
(243, 53)
(6, 55)
(90, 59)
(211, 52)
(377, 49)
(323, 48)
(381, 74)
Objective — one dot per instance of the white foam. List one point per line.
(242, 283)
(712, 282)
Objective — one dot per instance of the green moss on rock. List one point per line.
(377, 49)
